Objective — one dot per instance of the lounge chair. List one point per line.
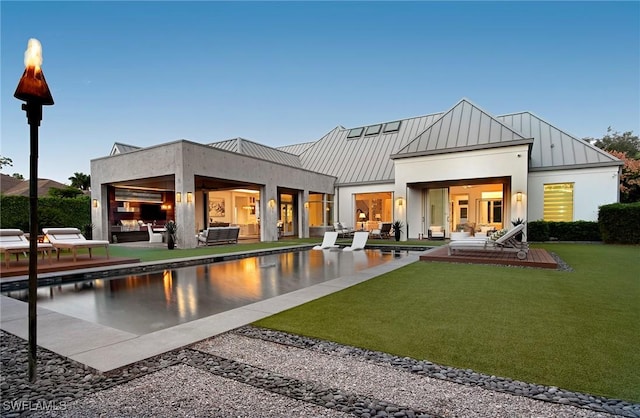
(329, 241)
(502, 240)
(153, 236)
(72, 239)
(13, 241)
(359, 241)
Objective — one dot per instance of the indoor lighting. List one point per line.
(189, 197)
(178, 197)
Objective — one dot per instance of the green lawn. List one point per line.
(576, 330)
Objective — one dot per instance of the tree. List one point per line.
(615, 141)
(81, 181)
(67, 192)
(5, 161)
(629, 178)
(17, 176)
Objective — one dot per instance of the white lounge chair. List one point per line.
(329, 241)
(72, 239)
(502, 240)
(153, 236)
(359, 241)
(13, 241)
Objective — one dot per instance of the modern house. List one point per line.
(461, 167)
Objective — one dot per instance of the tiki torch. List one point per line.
(33, 90)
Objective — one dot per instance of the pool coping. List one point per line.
(104, 349)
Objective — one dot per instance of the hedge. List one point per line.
(620, 223)
(563, 231)
(53, 212)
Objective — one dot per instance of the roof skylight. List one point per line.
(392, 127)
(373, 129)
(355, 133)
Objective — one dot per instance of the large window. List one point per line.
(320, 209)
(558, 202)
(371, 209)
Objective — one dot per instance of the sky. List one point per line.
(280, 73)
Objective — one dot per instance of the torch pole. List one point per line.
(34, 116)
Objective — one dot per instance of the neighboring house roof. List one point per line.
(464, 127)
(8, 182)
(363, 158)
(296, 149)
(120, 148)
(553, 148)
(253, 149)
(44, 185)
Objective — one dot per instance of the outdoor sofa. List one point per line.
(72, 239)
(219, 235)
(13, 241)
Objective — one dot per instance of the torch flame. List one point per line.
(32, 87)
(33, 54)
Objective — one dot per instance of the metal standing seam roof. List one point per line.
(364, 159)
(253, 149)
(120, 148)
(296, 149)
(553, 148)
(464, 127)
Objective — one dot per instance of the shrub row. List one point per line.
(563, 231)
(620, 223)
(53, 212)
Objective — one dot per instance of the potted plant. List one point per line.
(518, 237)
(171, 229)
(397, 229)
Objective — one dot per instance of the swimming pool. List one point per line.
(149, 302)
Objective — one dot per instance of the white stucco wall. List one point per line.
(593, 187)
(491, 163)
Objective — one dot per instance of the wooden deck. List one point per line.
(536, 257)
(21, 267)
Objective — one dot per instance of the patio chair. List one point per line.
(343, 230)
(436, 232)
(153, 236)
(359, 241)
(72, 239)
(383, 232)
(502, 240)
(329, 241)
(13, 241)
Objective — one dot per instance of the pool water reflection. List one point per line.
(145, 303)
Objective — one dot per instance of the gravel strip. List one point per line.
(182, 391)
(384, 381)
(258, 372)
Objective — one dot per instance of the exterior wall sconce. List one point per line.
(94, 203)
(306, 205)
(400, 201)
(189, 197)
(272, 203)
(519, 197)
(178, 197)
